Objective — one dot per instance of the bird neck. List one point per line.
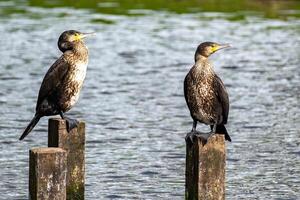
(77, 48)
(199, 57)
(203, 65)
(80, 50)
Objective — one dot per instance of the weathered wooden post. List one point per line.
(47, 173)
(74, 143)
(205, 169)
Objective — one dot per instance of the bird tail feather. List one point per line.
(222, 130)
(30, 126)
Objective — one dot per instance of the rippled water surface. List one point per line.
(133, 103)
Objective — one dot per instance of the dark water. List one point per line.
(133, 103)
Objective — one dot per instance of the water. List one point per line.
(133, 103)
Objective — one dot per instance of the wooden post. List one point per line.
(47, 173)
(74, 143)
(205, 169)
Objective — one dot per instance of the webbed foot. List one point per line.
(71, 123)
(203, 136)
(190, 136)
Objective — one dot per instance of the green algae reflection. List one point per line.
(266, 8)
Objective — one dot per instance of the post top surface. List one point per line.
(47, 150)
(60, 120)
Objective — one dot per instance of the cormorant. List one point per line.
(205, 94)
(62, 83)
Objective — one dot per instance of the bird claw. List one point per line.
(71, 123)
(203, 136)
(189, 137)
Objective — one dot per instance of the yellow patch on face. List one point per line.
(77, 36)
(214, 48)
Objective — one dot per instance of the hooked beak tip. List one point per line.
(84, 35)
(225, 46)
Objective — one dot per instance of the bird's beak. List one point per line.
(222, 46)
(219, 46)
(84, 35)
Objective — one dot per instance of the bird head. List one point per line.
(207, 48)
(68, 38)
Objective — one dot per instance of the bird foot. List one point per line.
(71, 123)
(203, 136)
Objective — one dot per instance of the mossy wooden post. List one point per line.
(205, 169)
(74, 143)
(47, 173)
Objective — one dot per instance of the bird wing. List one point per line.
(189, 88)
(52, 79)
(185, 90)
(222, 96)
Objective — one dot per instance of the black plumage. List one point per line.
(205, 93)
(62, 83)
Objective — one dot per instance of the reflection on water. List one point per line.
(271, 9)
(133, 103)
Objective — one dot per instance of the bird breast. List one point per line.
(73, 85)
(79, 72)
(200, 92)
(77, 79)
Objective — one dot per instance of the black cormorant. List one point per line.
(62, 83)
(205, 94)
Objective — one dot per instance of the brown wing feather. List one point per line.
(186, 90)
(192, 82)
(222, 96)
(52, 79)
